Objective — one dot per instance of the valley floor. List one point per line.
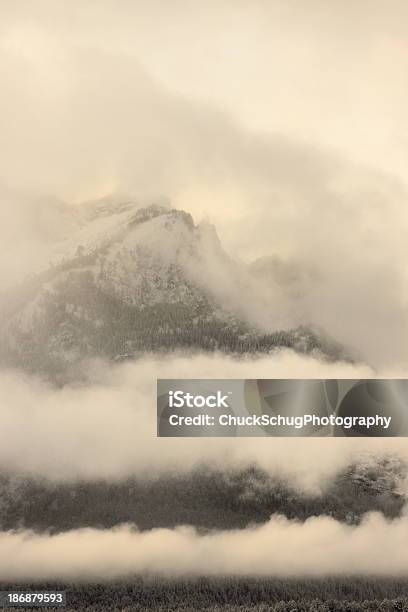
(234, 594)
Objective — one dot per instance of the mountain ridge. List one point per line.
(138, 279)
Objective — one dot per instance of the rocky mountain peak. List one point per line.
(131, 279)
(153, 211)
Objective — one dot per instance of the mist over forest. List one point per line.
(199, 190)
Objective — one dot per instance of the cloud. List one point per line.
(262, 119)
(106, 428)
(97, 99)
(281, 547)
(333, 73)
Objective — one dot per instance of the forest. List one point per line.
(233, 595)
(206, 498)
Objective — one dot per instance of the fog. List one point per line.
(330, 73)
(106, 428)
(285, 129)
(285, 126)
(319, 546)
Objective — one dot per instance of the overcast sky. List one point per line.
(333, 73)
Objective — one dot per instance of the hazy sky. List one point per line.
(151, 96)
(333, 73)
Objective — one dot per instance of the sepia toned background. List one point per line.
(198, 190)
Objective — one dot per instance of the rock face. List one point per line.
(130, 280)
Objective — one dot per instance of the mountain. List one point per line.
(207, 498)
(127, 280)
